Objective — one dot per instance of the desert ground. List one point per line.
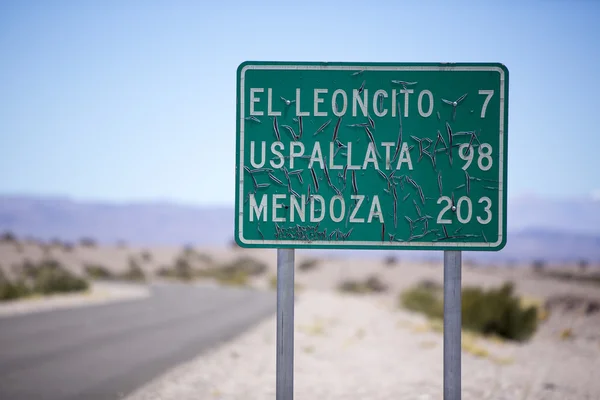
(355, 343)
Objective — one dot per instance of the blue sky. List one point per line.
(129, 101)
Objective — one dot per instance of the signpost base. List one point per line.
(285, 324)
(452, 325)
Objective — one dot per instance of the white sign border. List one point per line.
(386, 68)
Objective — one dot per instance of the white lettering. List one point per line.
(332, 156)
(313, 218)
(394, 96)
(459, 214)
(294, 154)
(488, 94)
(262, 160)
(485, 153)
(420, 103)
(334, 207)
(258, 210)
(404, 157)
(486, 209)
(406, 92)
(342, 211)
(388, 161)
(277, 206)
(349, 158)
(316, 156)
(278, 154)
(375, 210)
(363, 103)
(298, 206)
(298, 112)
(376, 102)
(370, 156)
(254, 99)
(440, 218)
(319, 100)
(334, 105)
(360, 199)
(270, 104)
(467, 157)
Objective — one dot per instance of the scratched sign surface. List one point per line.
(375, 155)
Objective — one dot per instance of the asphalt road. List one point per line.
(105, 352)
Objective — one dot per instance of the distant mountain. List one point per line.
(581, 215)
(538, 228)
(136, 223)
(543, 243)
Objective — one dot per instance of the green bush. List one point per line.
(229, 277)
(492, 312)
(95, 271)
(182, 270)
(425, 299)
(236, 273)
(49, 277)
(190, 253)
(134, 273)
(246, 264)
(308, 265)
(11, 290)
(371, 284)
(499, 312)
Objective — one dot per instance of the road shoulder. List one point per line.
(99, 293)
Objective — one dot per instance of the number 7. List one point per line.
(489, 94)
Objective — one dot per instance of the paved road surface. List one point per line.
(105, 352)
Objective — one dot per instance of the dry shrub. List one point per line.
(96, 271)
(236, 273)
(308, 265)
(134, 273)
(493, 312)
(372, 284)
(182, 270)
(12, 290)
(146, 256)
(46, 277)
(390, 261)
(8, 237)
(87, 242)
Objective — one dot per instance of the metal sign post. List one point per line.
(285, 324)
(452, 325)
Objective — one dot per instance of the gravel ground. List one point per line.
(349, 347)
(99, 293)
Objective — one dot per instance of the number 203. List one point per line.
(463, 202)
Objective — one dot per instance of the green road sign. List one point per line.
(371, 155)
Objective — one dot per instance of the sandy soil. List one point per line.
(349, 347)
(354, 347)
